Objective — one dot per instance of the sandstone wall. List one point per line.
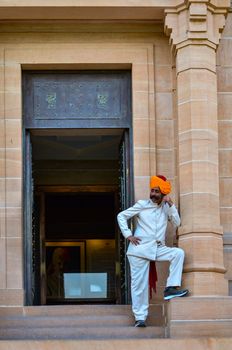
(224, 74)
(142, 48)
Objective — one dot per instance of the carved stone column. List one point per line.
(194, 28)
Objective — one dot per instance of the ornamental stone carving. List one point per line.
(196, 21)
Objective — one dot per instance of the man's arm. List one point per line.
(172, 212)
(123, 217)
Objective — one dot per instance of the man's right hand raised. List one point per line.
(134, 240)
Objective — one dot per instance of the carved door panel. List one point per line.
(77, 99)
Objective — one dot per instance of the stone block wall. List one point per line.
(145, 50)
(224, 75)
(141, 47)
(154, 116)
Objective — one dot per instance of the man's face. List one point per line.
(156, 196)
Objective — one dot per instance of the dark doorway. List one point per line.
(77, 186)
(77, 176)
(80, 250)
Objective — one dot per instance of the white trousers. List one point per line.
(140, 277)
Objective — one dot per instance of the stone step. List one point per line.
(80, 333)
(75, 321)
(201, 328)
(78, 322)
(197, 308)
(200, 317)
(121, 344)
(156, 310)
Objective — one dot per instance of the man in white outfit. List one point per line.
(148, 243)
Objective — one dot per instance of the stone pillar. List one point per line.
(194, 29)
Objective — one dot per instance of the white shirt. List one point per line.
(151, 227)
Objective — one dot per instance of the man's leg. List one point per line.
(176, 258)
(139, 286)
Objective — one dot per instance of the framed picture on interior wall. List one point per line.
(64, 260)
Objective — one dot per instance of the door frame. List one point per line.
(27, 218)
(40, 192)
(31, 124)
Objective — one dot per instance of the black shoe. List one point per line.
(173, 292)
(140, 323)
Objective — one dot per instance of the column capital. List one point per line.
(196, 22)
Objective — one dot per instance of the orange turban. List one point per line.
(161, 182)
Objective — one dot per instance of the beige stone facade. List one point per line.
(179, 54)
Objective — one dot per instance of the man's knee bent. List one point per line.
(179, 253)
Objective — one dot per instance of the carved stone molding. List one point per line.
(196, 22)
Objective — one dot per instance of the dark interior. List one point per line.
(80, 216)
(78, 228)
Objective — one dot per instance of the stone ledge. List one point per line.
(204, 328)
(200, 317)
(138, 344)
(200, 308)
